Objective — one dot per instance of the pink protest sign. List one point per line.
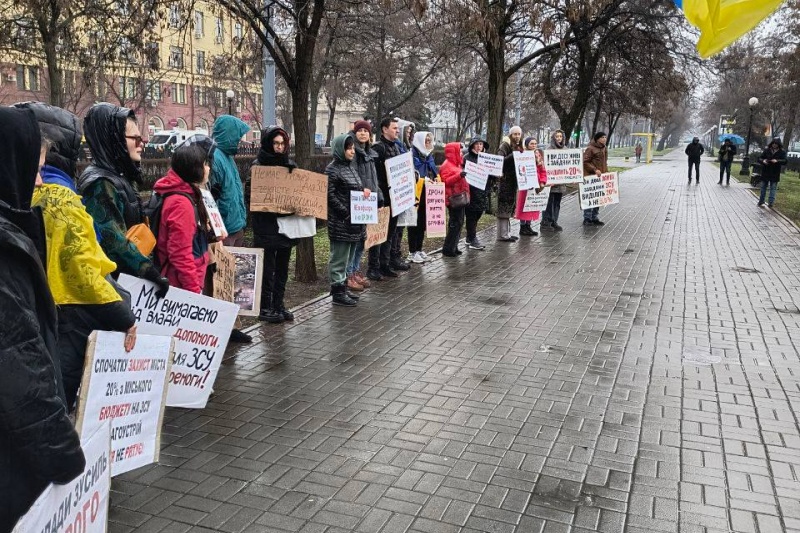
(435, 209)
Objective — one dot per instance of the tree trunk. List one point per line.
(332, 101)
(54, 74)
(312, 114)
(305, 266)
(495, 56)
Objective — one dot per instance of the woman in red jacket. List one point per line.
(455, 182)
(182, 249)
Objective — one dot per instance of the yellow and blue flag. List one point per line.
(721, 22)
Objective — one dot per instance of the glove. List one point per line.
(162, 283)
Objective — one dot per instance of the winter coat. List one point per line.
(365, 163)
(182, 239)
(694, 150)
(385, 149)
(555, 145)
(265, 225)
(225, 182)
(38, 444)
(507, 186)
(638, 149)
(108, 187)
(726, 153)
(342, 179)
(63, 129)
(454, 182)
(772, 171)
(595, 158)
(478, 198)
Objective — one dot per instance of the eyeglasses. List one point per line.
(137, 138)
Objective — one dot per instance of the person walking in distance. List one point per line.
(726, 154)
(694, 150)
(638, 152)
(507, 188)
(595, 161)
(772, 160)
(550, 216)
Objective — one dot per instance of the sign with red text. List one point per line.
(525, 165)
(214, 216)
(477, 176)
(491, 163)
(201, 326)
(400, 173)
(363, 210)
(435, 209)
(564, 166)
(80, 506)
(597, 191)
(129, 389)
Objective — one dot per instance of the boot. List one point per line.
(363, 281)
(339, 293)
(353, 284)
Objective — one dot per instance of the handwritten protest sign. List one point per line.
(435, 209)
(564, 166)
(525, 164)
(363, 210)
(247, 279)
(493, 164)
(597, 191)
(224, 274)
(536, 201)
(400, 173)
(275, 190)
(201, 327)
(477, 176)
(214, 216)
(80, 506)
(128, 388)
(376, 233)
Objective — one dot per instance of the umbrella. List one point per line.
(735, 139)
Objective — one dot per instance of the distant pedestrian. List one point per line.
(638, 152)
(507, 186)
(726, 154)
(595, 161)
(772, 160)
(525, 219)
(694, 150)
(478, 198)
(550, 216)
(455, 182)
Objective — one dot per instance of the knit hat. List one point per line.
(362, 124)
(599, 135)
(528, 140)
(515, 129)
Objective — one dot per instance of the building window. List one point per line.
(179, 93)
(20, 77)
(199, 24)
(174, 16)
(176, 57)
(201, 61)
(100, 89)
(152, 56)
(33, 79)
(219, 31)
(127, 88)
(153, 91)
(237, 32)
(200, 97)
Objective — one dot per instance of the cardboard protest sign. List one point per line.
(249, 272)
(564, 166)
(435, 209)
(525, 165)
(128, 388)
(477, 176)
(214, 216)
(201, 326)
(224, 274)
(536, 201)
(363, 210)
(376, 233)
(597, 191)
(400, 173)
(80, 506)
(492, 163)
(276, 190)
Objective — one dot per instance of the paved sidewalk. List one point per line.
(639, 377)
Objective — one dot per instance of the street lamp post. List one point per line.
(753, 102)
(230, 94)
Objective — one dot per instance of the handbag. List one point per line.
(458, 200)
(142, 237)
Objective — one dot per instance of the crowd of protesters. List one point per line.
(65, 238)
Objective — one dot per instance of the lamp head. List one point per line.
(753, 102)
(229, 93)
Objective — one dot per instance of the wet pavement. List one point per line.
(639, 377)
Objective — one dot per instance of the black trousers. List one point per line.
(696, 165)
(380, 256)
(453, 229)
(553, 209)
(395, 253)
(275, 276)
(416, 234)
(472, 224)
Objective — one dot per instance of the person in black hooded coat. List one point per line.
(478, 198)
(38, 444)
(108, 187)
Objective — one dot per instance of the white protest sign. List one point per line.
(564, 166)
(400, 174)
(214, 216)
(493, 164)
(128, 388)
(536, 201)
(201, 327)
(597, 191)
(477, 176)
(408, 218)
(80, 506)
(363, 210)
(525, 165)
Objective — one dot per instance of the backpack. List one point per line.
(152, 212)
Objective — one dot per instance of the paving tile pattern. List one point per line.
(641, 377)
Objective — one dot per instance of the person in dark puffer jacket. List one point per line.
(478, 198)
(343, 178)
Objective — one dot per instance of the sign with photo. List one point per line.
(247, 279)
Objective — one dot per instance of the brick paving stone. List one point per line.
(643, 376)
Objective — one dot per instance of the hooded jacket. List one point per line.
(772, 171)
(478, 199)
(454, 182)
(555, 145)
(182, 246)
(365, 163)
(64, 131)
(265, 225)
(595, 157)
(423, 158)
(225, 181)
(342, 179)
(727, 152)
(108, 188)
(694, 150)
(38, 444)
